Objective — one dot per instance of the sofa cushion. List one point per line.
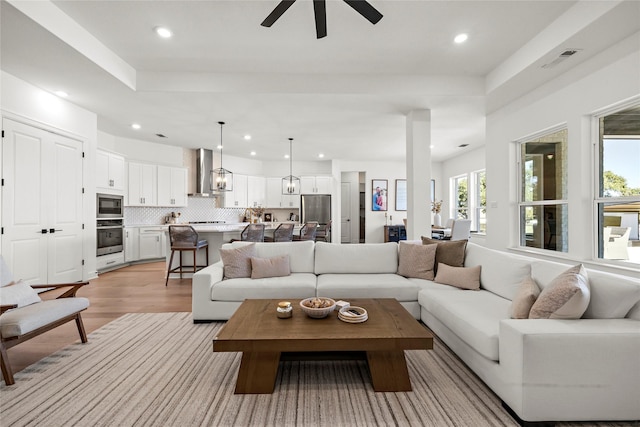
(21, 321)
(450, 252)
(237, 261)
(301, 254)
(278, 266)
(460, 277)
(18, 293)
(502, 273)
(297, 285)
(416, 261)
(473, 316)
(350, 259)
(566, 297)
(345, 286)
(524, 299)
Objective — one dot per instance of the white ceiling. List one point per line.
(346, 95)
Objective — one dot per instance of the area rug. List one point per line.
(159, 370)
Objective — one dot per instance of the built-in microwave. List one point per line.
(109, 206)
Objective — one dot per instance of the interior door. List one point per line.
(345, 212)
(42, 204)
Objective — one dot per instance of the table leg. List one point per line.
(257, 373)
(388, 371)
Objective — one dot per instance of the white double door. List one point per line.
(42, 239)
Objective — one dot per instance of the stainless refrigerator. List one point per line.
(316, 207)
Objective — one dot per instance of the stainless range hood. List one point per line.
(204, 165)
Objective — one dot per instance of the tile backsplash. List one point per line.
(198, 209)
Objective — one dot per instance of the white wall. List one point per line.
(571, 99)
(28, 104)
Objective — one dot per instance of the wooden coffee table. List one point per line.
(264, 340)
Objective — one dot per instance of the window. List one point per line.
(469, 199)
(543, 186)
(618, 188)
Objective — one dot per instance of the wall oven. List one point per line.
(109, 206)
(110, 233)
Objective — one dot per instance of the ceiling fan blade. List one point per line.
(277, 12)
(365, 9)
(320, 11)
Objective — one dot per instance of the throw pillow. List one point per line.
(450, 252)
(262, 268)
(237, 261)
(566, 297)
(525, 298)
(417, 260)
(19, 293)
(460, 277)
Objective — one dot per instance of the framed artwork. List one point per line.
(433, 190)
(401, 194)
(267, 217)
(379, 193)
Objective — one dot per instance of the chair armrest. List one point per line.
(71, 293)
(4, 308)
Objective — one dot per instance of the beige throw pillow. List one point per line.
(450, 252)
(460, 277)
(525, 298)
(262, 268)
(417, 261)
(566, 297)
(237, 261)
(19, 293)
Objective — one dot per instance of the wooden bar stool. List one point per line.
(185, 238)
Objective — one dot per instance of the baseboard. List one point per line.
(524, 423)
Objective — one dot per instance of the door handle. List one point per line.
(43, 231)
(53, 230)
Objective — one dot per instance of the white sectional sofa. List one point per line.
(543, 369)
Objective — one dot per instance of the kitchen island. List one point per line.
(216, 234)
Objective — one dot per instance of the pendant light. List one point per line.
(290, 184)
(221, 178)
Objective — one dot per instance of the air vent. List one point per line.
(463, 145)
(159, 135)
(567, 53)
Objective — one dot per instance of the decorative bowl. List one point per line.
(327, 305)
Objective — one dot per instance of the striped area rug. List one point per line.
(159, 370)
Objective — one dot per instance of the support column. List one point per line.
(418, 174)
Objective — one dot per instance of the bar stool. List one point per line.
(253, 233)
(185, 238)
(308, 231)
(282, 233)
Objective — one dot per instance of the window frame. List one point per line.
(473, 198)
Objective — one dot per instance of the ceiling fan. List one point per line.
(363, 7)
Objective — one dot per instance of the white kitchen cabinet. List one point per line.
(316, 184)
(275, 198)
(143, 182)
(238, 197)
(172, 186)
(151, 243)
(131, 246)
(256, 194)
(109, 261)
(109, 172)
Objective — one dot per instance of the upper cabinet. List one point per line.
(109, 172)
(172, 186)
(143, 182)
(238, 197)
(275, 198)
(316, 184)
(256, 191)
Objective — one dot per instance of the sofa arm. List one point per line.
(576, 370)
(203, 280)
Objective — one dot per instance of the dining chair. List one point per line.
(460, 230)
(253, 233)
(308, 231)
(185, 238)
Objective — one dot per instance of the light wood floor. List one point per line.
(135, 289)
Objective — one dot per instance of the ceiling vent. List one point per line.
(566, 54)
(159, 135)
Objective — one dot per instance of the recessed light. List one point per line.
(461, 38)
(253, 153)
(286, 156)
(247, 137)
(136, 126)
(61, 93)
(163, 32)
(219, 147)
(321, 155)
(432, 146)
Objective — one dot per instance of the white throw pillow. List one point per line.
(566, 297)
(19, 293)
